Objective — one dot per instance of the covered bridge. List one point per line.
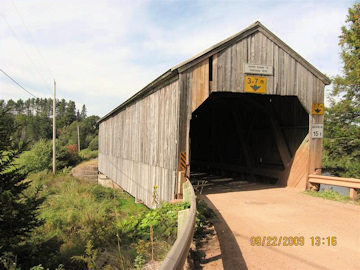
(249, 105)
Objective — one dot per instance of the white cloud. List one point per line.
(102, 52)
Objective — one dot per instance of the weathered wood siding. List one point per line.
(138, 145)
(290, 77)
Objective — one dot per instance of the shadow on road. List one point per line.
(231, 255)
(238, 186)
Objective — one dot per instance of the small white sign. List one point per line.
(317, 131)
(258, 69)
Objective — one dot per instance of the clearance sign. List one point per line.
(255, 84)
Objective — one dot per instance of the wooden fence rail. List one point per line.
(351, 183)
(176, 257)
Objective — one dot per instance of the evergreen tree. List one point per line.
(83, 113)
(78, 117)
(19, 105)
(10, 105)
(70, 115)
(342, 118)
(18, 212)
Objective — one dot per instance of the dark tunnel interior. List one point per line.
(243, 134)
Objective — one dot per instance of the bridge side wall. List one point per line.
(138, 145)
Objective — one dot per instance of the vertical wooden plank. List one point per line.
(234, 67)
(276, 70)
(220, 71)
(215, 73)
(278, 135)
(238, 85)
(281, 73)
(227, 73)
(269, 60)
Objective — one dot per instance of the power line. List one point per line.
(37, 48)
(23, 48)
(17, 83)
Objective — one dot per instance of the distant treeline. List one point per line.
(33, 121)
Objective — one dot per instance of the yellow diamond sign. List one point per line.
(255, 84)
(318, 108)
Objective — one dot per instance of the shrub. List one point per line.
(73, 155)
(38, 158)
(94, 144)
(87, 154)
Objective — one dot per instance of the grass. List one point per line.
(77, 212)
(88, 225)
(89, 162)
(331, 195)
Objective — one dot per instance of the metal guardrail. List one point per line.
(351, 183)
(177, 255)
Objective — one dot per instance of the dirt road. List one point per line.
(253, 210)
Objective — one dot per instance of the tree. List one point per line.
(342, 118)
(70, 114)
(83, 113)
(18, 208)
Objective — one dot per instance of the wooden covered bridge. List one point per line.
(248, 105)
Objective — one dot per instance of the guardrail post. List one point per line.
(353, 193)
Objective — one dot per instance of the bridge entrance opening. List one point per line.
(249, 136)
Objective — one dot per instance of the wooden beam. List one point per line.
(216, 150)
(244, 145)
(278, 135)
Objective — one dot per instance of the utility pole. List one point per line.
(54, 129)
(78, 133)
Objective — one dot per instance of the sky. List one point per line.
(102, 52)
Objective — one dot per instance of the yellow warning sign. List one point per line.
(182, 162)
(318, 108)
(255, 84)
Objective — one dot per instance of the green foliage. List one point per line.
(39, 157)
(94, 144)
(163, 220)
(204, 216)
(33, 121)
(87, 154)
(330, 195)
(342, 119)
(139, 262)
(135, 230)
(91, 215)
(90, 257)
(8, 261)
(19, 206)
(69, 134)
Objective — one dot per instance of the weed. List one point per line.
(87, 225)
(329, 195)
